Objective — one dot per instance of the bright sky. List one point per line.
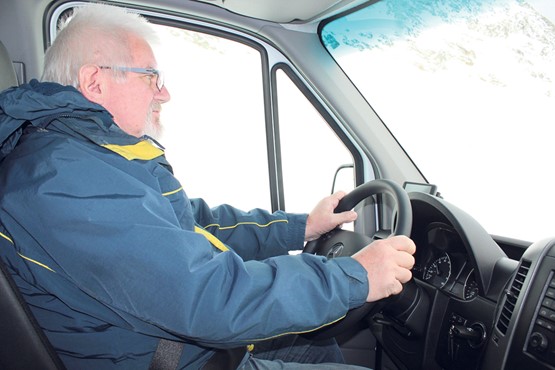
(476, 117)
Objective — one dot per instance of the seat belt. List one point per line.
(167, 355)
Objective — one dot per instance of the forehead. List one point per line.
(141, 52)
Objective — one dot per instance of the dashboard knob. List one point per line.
(538, 341)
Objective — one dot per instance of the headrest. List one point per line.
(8, 77)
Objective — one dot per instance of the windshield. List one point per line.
(467, 88)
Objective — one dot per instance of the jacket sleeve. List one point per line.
(254, 235)
(103, 236)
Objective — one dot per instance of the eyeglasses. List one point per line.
(146, 71)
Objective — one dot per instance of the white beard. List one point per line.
(153, 126)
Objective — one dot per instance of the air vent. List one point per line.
(511, 296)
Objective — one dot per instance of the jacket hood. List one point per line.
(40, 103)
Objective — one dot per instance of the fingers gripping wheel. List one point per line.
(322, 246)
(340, 242)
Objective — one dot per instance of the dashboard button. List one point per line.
(548, 302)
(546, 324)
(539, 341)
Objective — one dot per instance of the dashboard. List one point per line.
(474, 307)
(443, 262)
(461, 274)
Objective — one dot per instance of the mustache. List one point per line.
(156, 106)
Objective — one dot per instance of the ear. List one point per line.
(91, 83)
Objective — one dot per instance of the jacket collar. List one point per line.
(65, 109)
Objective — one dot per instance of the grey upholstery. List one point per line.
(8, 77)
(23, 345)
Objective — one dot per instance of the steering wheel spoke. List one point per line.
(343, 243)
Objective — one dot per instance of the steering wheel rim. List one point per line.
(333, 244)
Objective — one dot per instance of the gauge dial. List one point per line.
(439, 271)
(470, 287)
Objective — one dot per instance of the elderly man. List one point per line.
(114, 258)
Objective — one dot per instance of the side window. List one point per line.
(214, 124)
(311, 153)
(215, 134)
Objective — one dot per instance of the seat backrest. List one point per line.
(8, 78)
(23, 345)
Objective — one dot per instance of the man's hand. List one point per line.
(388, 263)
(322, 219)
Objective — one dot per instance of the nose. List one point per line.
(163, 96)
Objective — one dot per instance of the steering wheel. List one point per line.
(338, 242)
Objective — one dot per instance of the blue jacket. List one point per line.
(112, 255)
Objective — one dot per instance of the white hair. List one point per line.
(96, 34)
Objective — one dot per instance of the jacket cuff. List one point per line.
(358, 280)
(297, 231)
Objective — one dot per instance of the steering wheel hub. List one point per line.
(342, 243)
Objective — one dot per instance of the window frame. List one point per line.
(272, 60)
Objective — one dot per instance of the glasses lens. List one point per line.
(159, 80)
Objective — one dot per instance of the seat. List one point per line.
(8, 77)
(23, 344)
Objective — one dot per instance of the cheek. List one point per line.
(129, 104)
(132, 115)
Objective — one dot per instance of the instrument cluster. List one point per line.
(443, 262)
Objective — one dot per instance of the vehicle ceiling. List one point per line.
(287, 11)
(250, 14)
